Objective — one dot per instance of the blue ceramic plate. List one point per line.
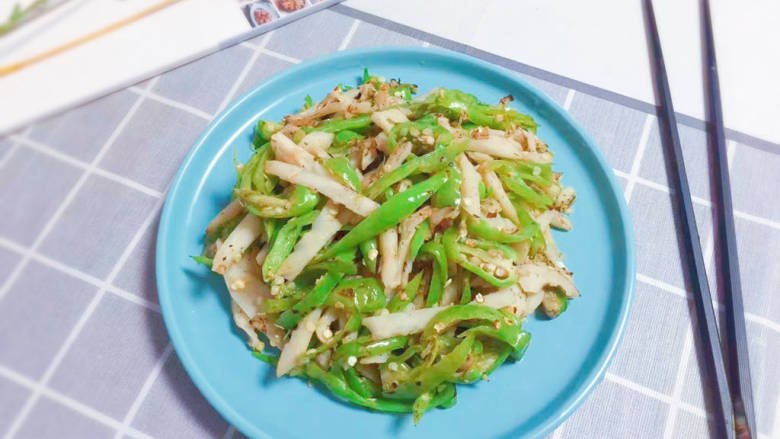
(567, 356)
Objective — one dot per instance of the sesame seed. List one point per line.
(479, 298)
(438, 327)
(327, 333)
(403, 296)
(338, 305)
(497, 324)
(393, 366)
(238, 284)
(352, 360)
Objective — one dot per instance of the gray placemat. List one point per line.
(84, 354)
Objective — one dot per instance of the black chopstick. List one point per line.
(707, 325)
(736, 338)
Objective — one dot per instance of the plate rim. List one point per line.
(212, 395)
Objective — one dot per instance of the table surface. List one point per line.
(83, 351)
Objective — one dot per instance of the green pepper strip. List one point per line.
(446, 368)
(526, 170)
(415, 128)
(357, 383)
(319, 294)
(525, 192)
(427, 376)
(561, 301)
(362, 348)
(248, 169)
(284, 243)
(518, 353)
(431, 162)
(457, 252)
(380, 347)
(271, 228)
(407, 89)
(440, 274)
(343, 141)
(428, 400)
(449, 194)
(342, 169)
(340, 388)
(500, 357)
(270, 359)
(421, 405)
(483, 192)
(273, 306)
(203, 260)
(418, 239)
(289, 319)
(224, 230)
(407, 354)
(333, 265)
(485, 246)
(459, 313)
(367, 248)
(512, 335)
(261, 181)
(362, 295)
(358, 123)
(302, 200)
(264, 130)
(352, 325)
(454, 103)
(525, 221)
(397, 304)
(446, 399)
(465, 296)
(487, 115)
(481, 228)
(390, 213)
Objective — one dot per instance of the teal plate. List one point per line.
(567, 356)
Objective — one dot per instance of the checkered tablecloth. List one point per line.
(83, 351)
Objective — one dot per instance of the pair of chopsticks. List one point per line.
(731, 391)
(5, 70)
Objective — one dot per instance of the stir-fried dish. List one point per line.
(388, 247)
